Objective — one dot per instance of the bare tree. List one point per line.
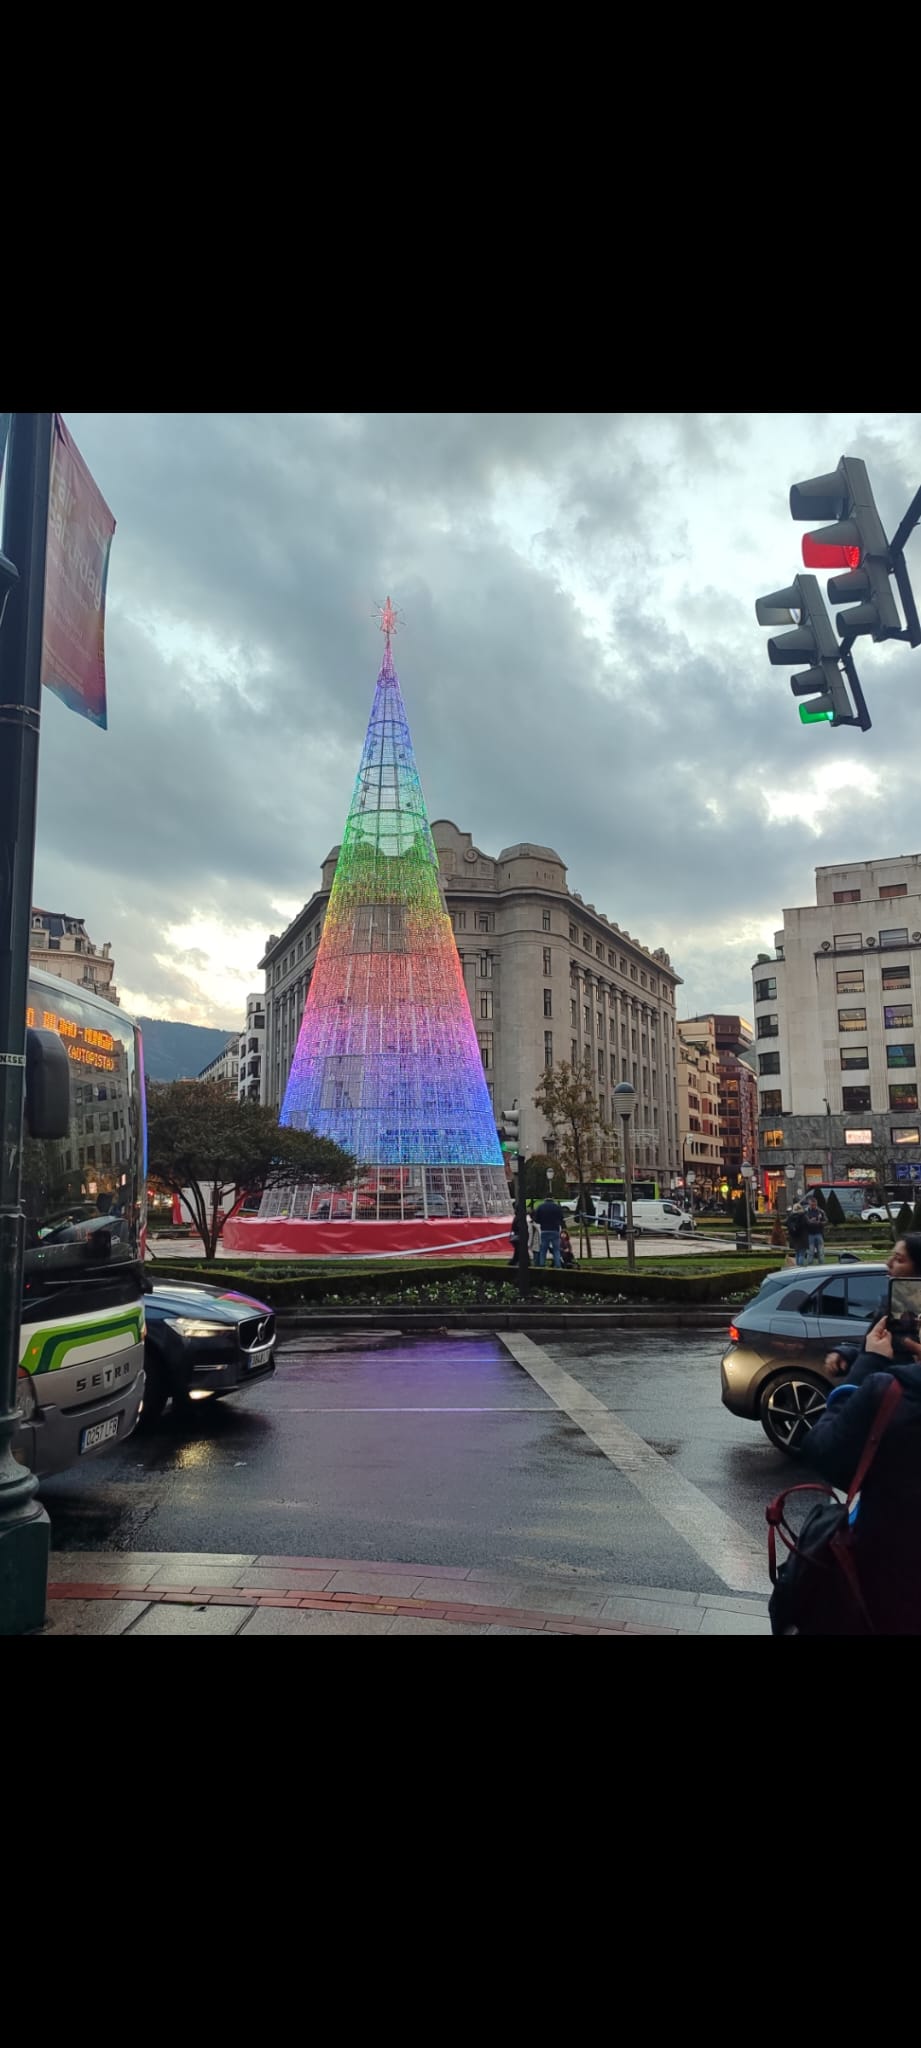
(585, 1141)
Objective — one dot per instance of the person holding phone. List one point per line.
(886, 1517)
(903, 1263)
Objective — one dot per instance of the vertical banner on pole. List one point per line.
(80, 529)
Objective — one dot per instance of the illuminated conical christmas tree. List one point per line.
(387, 1062)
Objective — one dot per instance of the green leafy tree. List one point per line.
(903, 1220)
(204, 1144)
(585, 1143)
(833, 1209)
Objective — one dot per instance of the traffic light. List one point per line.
(813, 641)
(509, 1128)
(855, 542)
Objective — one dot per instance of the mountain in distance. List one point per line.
(177, 1052)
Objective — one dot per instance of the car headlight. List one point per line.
(26, 1399)
(195, 1326)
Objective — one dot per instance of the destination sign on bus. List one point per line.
(86, 1046)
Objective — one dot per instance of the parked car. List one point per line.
(203, 1340)
(774, 1370)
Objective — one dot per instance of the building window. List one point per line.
(599, 1019)
(485, 1038)
(599, 950)
(573, 1015)
(459, 920)
(897, 977)
(769, 1063)
(601, 1107)
(574, 934)
(622, 964)
(633, 1041)
(848, 942)
(771, 1100)
(586, 942)
(612, 1027)
(902, 1135)
(897, 1016)
(600, 1064)
(645, 1080)
(623, 1034)
(767, 1027)
(610, 958)
(633, 973)
(852, 1020)
(548, 1048)
(890, 889)
(573, 1053)
(613, 1060)
(900, 1056)
(548, 1002)
(855, 1098)
(486, 1003)
(766, 991)
(897, 935)
(847, 896)
(485, 966)
(587, 1021)
(547, 961)
(642, 981)
(903, 1095)
(484, 920)
(772, 1140)
(623, 1070)
(652, 986)
(545, 920)
(849, 981)
(854, 1056)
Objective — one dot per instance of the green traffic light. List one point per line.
(808, 717)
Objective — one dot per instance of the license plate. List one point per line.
(99, 1433)
(259, 1358)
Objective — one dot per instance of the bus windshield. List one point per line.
(85, 1195)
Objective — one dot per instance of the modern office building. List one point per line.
(835, 1035)
(548, 976)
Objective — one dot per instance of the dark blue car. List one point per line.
(203, 1341)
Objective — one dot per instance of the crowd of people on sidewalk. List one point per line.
(548, 1236)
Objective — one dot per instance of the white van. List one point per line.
(661, 1219)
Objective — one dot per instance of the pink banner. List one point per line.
(80, 529)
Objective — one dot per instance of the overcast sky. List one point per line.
(579, 658)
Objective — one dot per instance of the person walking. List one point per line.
(815, 1219)
(798, 1233)
(550, 1221)
(886, 1515)
(533, 1235)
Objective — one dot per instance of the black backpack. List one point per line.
(817, 1590)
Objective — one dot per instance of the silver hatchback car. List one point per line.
(774, 1370)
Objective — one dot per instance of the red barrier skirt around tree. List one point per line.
(280, 1238)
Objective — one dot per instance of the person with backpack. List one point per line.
(856, 1569)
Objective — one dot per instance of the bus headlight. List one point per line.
(26, 1400)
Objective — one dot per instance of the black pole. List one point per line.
(522, 1256)
(24, 1528)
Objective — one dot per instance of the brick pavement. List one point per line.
(157, 1593)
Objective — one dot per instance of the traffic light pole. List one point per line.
(25, 1533)
(522, 1254)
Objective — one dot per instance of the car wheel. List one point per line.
(156, 1388)
(790, 1407)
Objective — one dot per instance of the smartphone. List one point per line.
(904, 1318)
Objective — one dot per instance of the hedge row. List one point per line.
(465, 1282)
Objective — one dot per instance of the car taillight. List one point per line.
(733, 1334)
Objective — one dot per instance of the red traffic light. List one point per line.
(821, 554)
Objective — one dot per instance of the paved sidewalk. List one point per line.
(149, 1593)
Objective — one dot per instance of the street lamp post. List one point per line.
(748, 1174)
(25, 1534)
(625, 1097)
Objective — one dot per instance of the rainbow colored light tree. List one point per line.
(387, 1061)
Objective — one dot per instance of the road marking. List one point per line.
(393, 1408)
(718, 1539)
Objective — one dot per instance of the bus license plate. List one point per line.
(257, 1359)
(99, 1433)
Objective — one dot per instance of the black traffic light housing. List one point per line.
(812, 641)
(856, 541)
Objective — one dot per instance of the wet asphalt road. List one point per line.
(435, 1450)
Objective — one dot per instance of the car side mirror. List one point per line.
(47, 1085)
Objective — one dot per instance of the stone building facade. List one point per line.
(835, 1031)
(699, 1105)
(548, 976)
(61, 945)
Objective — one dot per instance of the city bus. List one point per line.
(81, 1357)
